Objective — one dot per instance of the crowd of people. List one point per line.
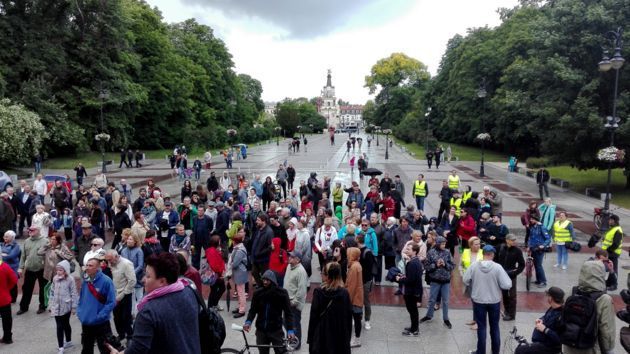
(252, 237)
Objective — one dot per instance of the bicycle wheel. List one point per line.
(597, 220)
(230, 350)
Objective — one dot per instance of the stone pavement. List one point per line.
(35, 333)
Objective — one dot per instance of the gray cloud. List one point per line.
(301, 18)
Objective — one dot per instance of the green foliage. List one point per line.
(21, 133)
(167, 84)
(537, 162)
(293, 113)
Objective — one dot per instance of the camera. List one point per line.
(624, 314)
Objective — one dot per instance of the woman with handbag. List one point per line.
(330, 320)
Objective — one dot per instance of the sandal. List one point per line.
(471, 323)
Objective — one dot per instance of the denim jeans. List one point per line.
(420, 202)
(444, 290)
(492, 312)
(563, 255)
(538, 256)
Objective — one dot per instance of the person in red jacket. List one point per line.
(465, 227)
(389, 207)
(8, 279)
(216, 263)
(374, 196)
(278, 260)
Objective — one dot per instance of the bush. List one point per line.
(538, 162)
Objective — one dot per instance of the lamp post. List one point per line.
(482, 93)
(102, 137)
(277, 129)
(378, 129)
(427, 116)
(612, 122)
(387, 132)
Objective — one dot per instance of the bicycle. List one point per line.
(599, 215)
(513, 336)
(529, 270)
(288, 344)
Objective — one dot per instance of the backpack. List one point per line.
(578, 322)
(211, 326)
(374, 261)
(208, 276)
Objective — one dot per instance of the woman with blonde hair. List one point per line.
(133, 252)
(471, 255)
(330, 320)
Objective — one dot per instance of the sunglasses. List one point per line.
(365, 225)
(95, 244)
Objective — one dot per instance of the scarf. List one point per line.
(159, 292)
(292, 233)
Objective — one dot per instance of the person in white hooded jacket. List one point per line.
(486, 279)
(62, 302)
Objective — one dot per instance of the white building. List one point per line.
(327, 105)
(351, 116)
(270, 108)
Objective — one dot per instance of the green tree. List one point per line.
(16, 146)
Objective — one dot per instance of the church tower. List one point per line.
(328, 108)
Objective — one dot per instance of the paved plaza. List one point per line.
(36, 333)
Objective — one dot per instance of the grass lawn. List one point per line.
(580, 180)
(463, 152)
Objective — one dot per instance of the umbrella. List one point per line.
(228, 287)
(372, 172)
(296, 138)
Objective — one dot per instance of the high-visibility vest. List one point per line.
(466, 258)
(457, 203)
(419, 189)
(561, 232)
(466, 196)
(453, 182)
(608, 239)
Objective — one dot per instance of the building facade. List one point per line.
(327, 104)
(351, 116)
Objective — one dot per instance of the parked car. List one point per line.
(5, 181)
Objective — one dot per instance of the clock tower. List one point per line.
(328, 107)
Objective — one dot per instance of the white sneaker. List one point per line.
(60, 351)
(556, 265)
(564, 267)
(355, 342)
(68, 344)
(368, 326)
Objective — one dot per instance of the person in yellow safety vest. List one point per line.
(420, 191)
(467, 194)
(562, 233)
(612, 244)
(469, 256)
(456, 201)
(453, 180)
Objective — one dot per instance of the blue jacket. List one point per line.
(356, 197)
(201, 232)
(173, 220)
(90, 311)
(136, 256)
(257, 185)
(538, 236)
(551, 320)
(441, 275)
(13, 252)
(371, 241)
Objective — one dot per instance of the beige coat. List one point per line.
(52, 256)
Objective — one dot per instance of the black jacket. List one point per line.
(446, 195)
(511, 258)
(222, 223)
(542, 176)
(212, 183)
(261, 247)
(330, 322)
(268, 303)
(367, 261)
(291, 173)
(413, 277)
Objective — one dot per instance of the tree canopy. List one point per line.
(166, 83)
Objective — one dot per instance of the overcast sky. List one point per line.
(289, 44)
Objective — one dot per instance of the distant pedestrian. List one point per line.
(542, 179)
(352, 161)
(429, 156)
(130, 156)
(449, 154)
(123, 158)
(139, 157)
(438, 157)
(81, 173)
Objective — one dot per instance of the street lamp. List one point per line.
(387, 132)
(612, 122)
(103, 137)
(427, 116)
(482, 93)
(378, 129)
(277, 129)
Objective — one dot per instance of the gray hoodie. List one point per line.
(487, 278)
(593, 278)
